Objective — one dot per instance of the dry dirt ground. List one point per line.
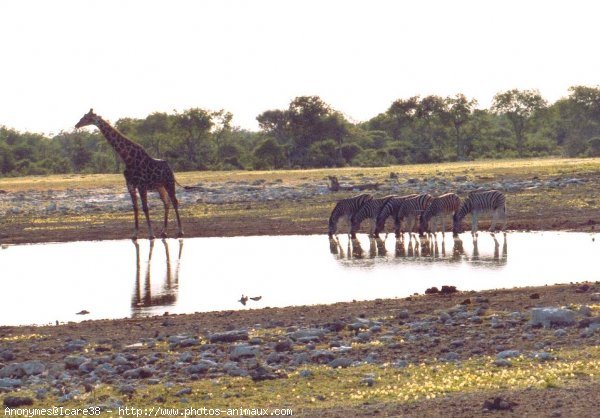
(579, 398)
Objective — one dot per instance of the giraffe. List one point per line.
(142, 173)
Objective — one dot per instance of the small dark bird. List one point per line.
(84, 312)
(243, 300)
(256, 298)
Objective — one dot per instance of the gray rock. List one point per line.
(547, 317)
(75, 345)
(17, 401)
(87, 366)
(120, 360)
(7, 355)
(33, 367)
(12, 370)
(232, 369)
(508, 354)
(105, 369)
(73, 362)
(184, 391)
(502, 362)
(400, 364)
(306, 373)
(127, 389)
(308, 334)
(403, 314)
(340, 362)
(543, 356)
(595, 297)
(561, 332)
(139, 373)
(450, 356)
(9, 383)
(243, 351)
(186, 357)
(229, 336)
(322, 356)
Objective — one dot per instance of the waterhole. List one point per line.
(45, 283)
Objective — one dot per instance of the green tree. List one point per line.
(459, 110)
(518, 106)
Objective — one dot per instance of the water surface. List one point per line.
(44, 283)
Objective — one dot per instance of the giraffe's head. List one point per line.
(89, 118)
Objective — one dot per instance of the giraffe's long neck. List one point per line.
(125, 147)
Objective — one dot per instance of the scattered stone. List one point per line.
(508, 354)
(534, 296)
(595, 297)
(502, 363)
(285, 345)
(447, 290)
(340, 362)
(17, 401)
(184, 391)
(229, 336)
(432, 290)
(127, 389)
(307, 335)
(561, 332)
(73, 362)
(305, 373)
(450, 356)
(547, 317)
(242, 351)
(498, 404)
(8, 383)
(582, 289)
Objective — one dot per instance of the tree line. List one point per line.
(310, 133)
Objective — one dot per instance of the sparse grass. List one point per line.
(327, 387)
(520, 168)
(547, 208)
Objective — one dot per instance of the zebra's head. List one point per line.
(423, 225)
(456, 225)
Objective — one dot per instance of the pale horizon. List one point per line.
(133, 58)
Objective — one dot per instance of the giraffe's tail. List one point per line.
(188, 187)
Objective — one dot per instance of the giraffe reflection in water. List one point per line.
(424, 249)
(167, 296)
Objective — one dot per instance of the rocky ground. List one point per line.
(272, 206)
(67, 364)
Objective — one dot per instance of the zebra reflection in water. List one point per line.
(167, 296)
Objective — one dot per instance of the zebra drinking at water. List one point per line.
(345, 208)
(390, 208)
(439, 208)
(412, 209)
(369, 210)
(481, 202)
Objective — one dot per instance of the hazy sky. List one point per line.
(132, 58)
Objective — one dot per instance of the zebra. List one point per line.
(369, 210)
(481, 202)
(345, 208)
(412, 209)
(438, 209)
(390, 208)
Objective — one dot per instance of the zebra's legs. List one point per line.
(474, 223)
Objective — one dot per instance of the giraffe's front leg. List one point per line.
(165, 199)
(134, 201)
(144, 197)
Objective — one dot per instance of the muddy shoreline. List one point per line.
(271, 343)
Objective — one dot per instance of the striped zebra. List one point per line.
(391, 208)
(412, 209)
(481, 202)
(369, 210)
(345, 208)
(439, 208)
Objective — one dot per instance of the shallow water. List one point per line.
(44, 283)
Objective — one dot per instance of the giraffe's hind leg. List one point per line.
(144, 197)
(165, 199)
(134, 201)
(171, 192)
